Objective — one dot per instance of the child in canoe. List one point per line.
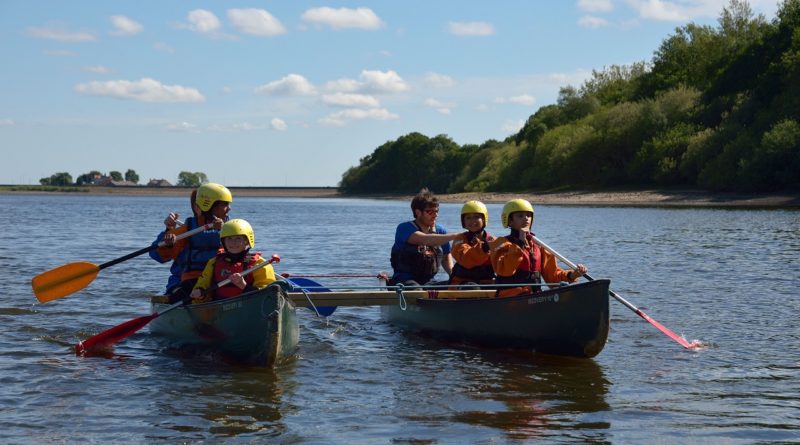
(210, 204)
(471, 250)
(232, 259)
(517, 259)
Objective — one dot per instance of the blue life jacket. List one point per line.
(199, 249)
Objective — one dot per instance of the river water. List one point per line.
(727, 278)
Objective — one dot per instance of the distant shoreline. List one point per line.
(638, 198)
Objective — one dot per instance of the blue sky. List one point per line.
(275, 93)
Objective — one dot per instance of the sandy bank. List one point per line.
(642, 198)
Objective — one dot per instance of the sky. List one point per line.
(277, 93)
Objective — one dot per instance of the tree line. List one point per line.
(717, 108)
(185, 178)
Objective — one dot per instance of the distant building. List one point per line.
(108, 182)
(159, 183)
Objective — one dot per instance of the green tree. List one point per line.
(87, 178)
(115, 175)
(59, 179)
(131, 176)
(407, 164)
(189, 179)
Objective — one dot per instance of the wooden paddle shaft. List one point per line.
(381, 298)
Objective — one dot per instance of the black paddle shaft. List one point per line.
(127, 257)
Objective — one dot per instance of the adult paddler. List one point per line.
(192, 254)
(421, 246)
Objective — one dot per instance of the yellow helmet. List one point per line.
(515, 205)
(238, 227)
(475, 207)
(209, 193)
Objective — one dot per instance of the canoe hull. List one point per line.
(258, 328)
(572, 320)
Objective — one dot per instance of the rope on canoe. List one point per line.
(401, 299)
(302, 289)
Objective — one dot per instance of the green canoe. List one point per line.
(258, 327)
(570, 320)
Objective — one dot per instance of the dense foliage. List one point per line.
(59, 179)
(716, 108)
(189, 179)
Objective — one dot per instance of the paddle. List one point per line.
(304, 285)
(107, 338)
(72, 277)
(630, 306)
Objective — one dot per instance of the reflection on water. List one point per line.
(521, 394)
(214, 397)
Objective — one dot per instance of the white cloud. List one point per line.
(343, 18)
(343, 85)
(203, 21)
(341, 118)
(277, 124)
(512, 126)
(163, 47)
(247, 126)
(181, 127)
(257, 22)
(659, 10)
(123, 26)
(57, 32)
(595, 5)
(7, 123)
(144, 90)
(99, 69)
(593, 22)
(291, 85)
(678, 10)
(370, 82)
(437, 80)
(522, 99)
(470, 28)
(350, 100)
(441, 107)
(383, 81)
(60, 53)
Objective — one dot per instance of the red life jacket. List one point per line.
(224, 267)
(529, 269)
(529, 264)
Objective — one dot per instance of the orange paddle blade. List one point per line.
(63, 280)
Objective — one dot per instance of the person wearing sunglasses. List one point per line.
(421, 247)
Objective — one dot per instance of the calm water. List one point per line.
(726, 277)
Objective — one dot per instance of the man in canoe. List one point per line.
(230, 261)
(421, 246)
(212, 202)
(471, 250)
(516, 259)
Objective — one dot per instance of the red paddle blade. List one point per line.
(667, 331)
(107, 338)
